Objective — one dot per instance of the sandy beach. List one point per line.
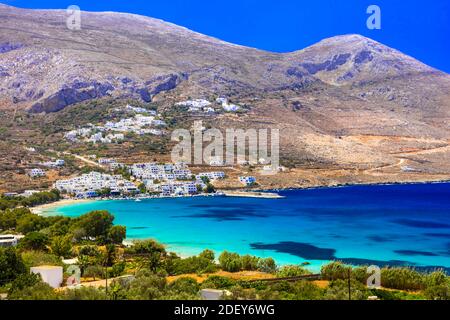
(45, 207)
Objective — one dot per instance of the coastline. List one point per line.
(63, 202)
(256, 193)
(253, 194)
(357, 184)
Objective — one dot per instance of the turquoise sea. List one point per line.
(383, 225)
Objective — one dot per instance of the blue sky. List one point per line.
(418, 28)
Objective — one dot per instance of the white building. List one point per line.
(52, 275)
(29, 193)
(87, 185)
(215, 175)
(9, 240)
(247, 180)
(35, 173)
(54, 164)
(228, 107)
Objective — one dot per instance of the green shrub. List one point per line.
(230, 261)
(117, 269)
(194, 264)
(11, 265)
(292, 271)
(402, 278)
(267, 265)
(34, 241)
(147, 287)
(184, 285)
(335, 270)
(61, 246)
(31, 287)
(338, 290)
(84, 293)
(38, 258)
(435, 278)
(249, 262)
(30, 223)
(218, 282)
(207, 254)
(360, 274)
(94, 271)
(306, 290)
(438, 292)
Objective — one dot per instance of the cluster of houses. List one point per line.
(166, 179)
(197, 105)
(202, 105)
(92, 184)
(172, 179)
(144, 122)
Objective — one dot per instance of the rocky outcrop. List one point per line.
(68, 95)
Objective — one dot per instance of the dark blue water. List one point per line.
(383, 225)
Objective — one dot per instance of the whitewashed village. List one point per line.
(145, 180)
(139, 180)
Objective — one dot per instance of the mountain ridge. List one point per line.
(345, 103)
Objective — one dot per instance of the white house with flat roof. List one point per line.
(247, 180)
(52, 275)
(9, 240)
(35, 173)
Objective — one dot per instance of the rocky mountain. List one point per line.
(326, 98)
(46, 66)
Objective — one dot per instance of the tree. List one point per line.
(110, 255)
(292, 271)
(152, 253)
(117, 234)
(11, 265)
(230, 261)
(30, 223)
(335, 270)
(61, 246)
(94, 271)
(267, 265)
(209, 188)
(142, 188)
(104, 192)
(34, 241)
(249, 262)
(207, 254)
(96, 224)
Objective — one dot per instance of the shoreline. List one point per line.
(257, 193)
(343, 185)
(63, 202)
(253, 194)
